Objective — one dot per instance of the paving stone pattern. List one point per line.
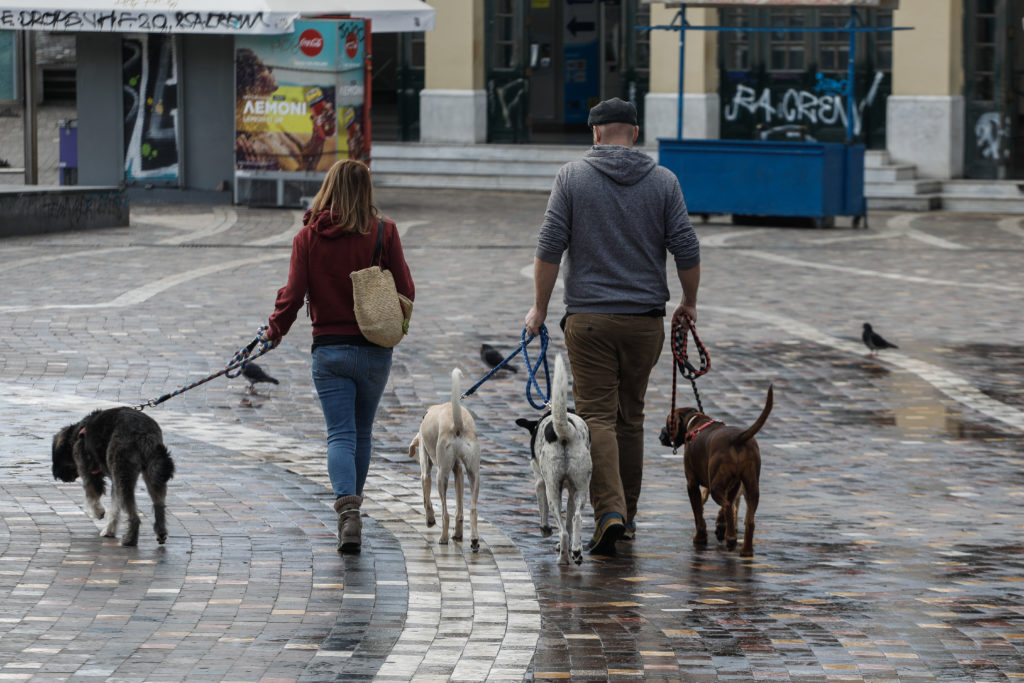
(892, 496)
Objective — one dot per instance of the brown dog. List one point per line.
(726, 463)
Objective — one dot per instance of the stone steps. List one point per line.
(532, 168)
(983, 196)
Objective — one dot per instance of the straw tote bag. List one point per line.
(381, 312)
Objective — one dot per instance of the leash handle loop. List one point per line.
(531, 370)
(531, 380)
(680, 335)
(682, 365)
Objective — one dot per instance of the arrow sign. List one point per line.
(579, 26)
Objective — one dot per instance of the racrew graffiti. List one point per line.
(820, 108)
(150, 85)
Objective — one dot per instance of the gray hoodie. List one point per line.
(616, 212)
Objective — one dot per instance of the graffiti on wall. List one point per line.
(158, 21)
(150, 81)
(820, 107)
(992, 136)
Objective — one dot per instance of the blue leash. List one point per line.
(531, 380)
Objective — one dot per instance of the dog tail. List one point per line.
(160, 467)
(456, 403)
(756, 427)
(414, 447)
(560, 401)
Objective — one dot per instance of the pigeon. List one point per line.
(874, 341)
(493, 357)
(254, 374)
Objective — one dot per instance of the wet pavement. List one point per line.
(892, 488)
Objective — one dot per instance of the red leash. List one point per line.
(682, 365)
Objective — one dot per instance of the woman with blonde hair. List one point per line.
(338, 236)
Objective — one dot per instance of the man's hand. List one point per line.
(684, 310)
(534, 319)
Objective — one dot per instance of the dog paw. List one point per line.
(475, 545)
(457, 537)
(129, 542)
(731, 544)
(720, 532)
(545, 531)
(700, 539)
(442, 541)
(431, 522)
(161, 539)
(747, 552)
(577, 556)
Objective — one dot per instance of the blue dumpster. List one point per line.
(762, 178)
(68, 130)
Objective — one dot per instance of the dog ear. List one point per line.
(64, 467)
(528, 425)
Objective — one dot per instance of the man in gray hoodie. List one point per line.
(616, 212)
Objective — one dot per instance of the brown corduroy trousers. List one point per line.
(612, 357)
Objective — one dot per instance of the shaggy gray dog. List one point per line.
(120, 443)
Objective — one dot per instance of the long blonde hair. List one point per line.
(348, 193)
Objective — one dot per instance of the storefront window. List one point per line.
(504, 35)
(787, 47)
(833, 46)
(737, 43)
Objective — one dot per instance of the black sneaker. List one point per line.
(609, 530)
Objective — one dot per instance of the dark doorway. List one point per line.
(550, 61)
(994, 88)
(398, 73)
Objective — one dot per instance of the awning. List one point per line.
(206, 16)
(879, 4)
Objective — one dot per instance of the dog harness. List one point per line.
(693, 433)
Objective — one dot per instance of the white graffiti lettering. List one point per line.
(800, 106)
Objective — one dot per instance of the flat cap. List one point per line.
(612, 111)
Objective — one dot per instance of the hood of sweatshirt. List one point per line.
(323, 224)
(624, 165)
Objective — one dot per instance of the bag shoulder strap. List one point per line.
(378, 246)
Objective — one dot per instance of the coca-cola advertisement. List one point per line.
(300, 99)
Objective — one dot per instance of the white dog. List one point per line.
(560, 457)
(447, 438)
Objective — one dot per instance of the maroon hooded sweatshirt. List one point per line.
(323, 256)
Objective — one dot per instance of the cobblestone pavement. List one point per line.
(888, 534)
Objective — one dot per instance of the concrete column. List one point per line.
(453, 102)
(701, 104)
(100, 109)
(925, 113)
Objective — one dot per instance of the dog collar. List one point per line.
(691, 434)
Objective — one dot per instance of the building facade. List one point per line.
(946, 96)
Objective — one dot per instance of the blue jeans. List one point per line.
(350, 381)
